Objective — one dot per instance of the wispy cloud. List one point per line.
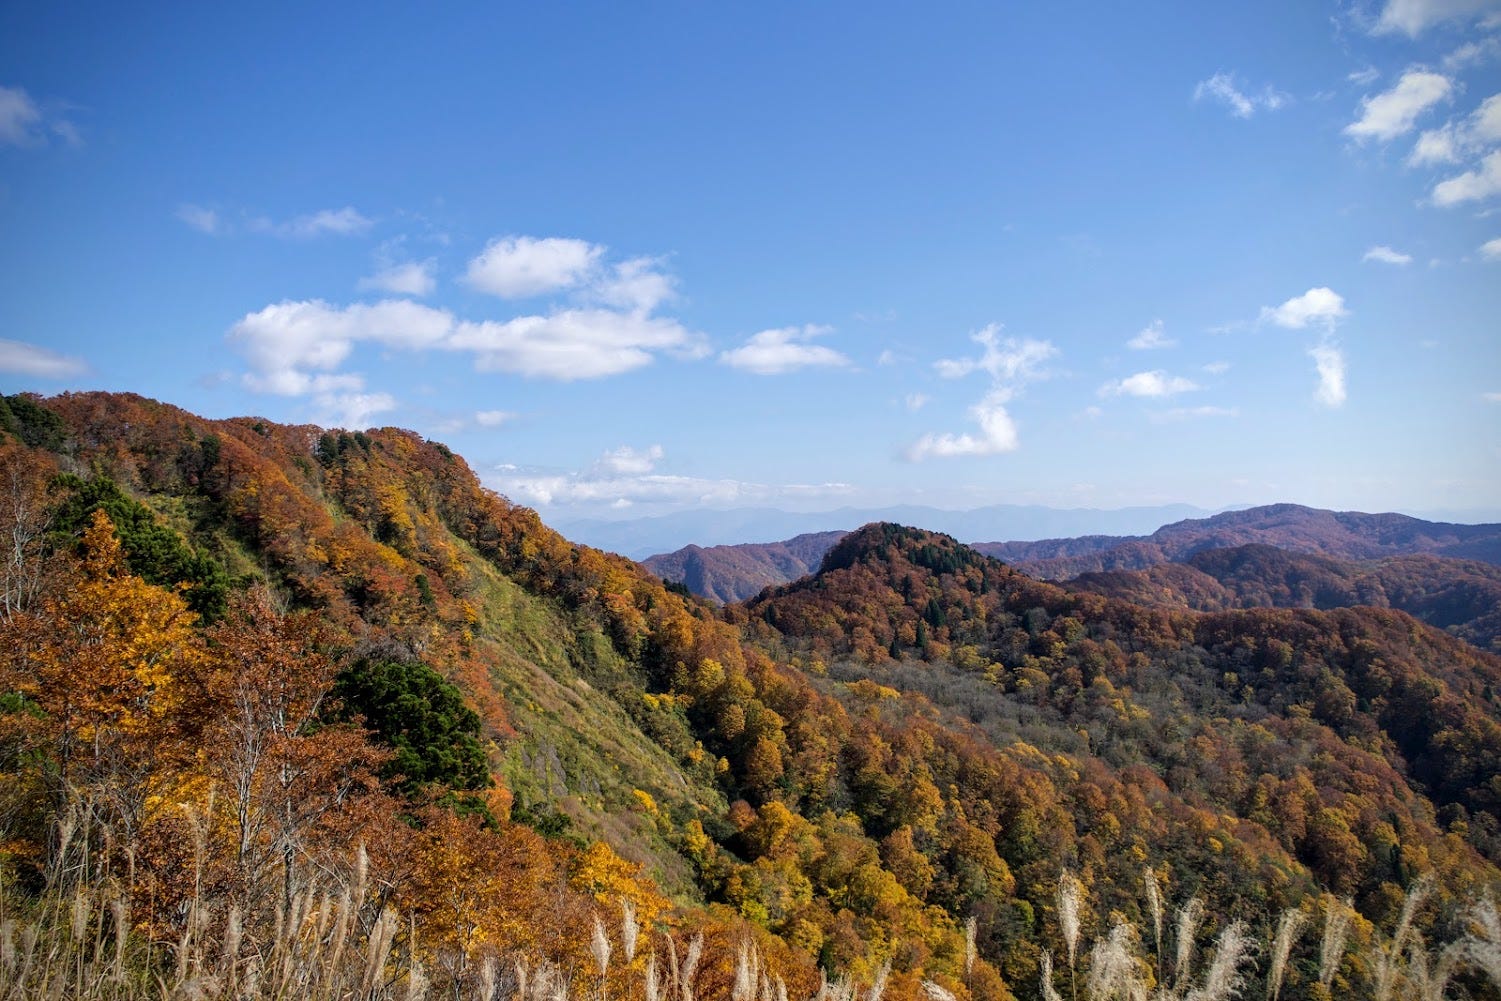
(1152, 385)
(1386, 255)
(204, 220)
(1150, 338)
(20, 358)
(785, 349)
(1472, 185)
(1223, 89)
(346, 221)
(1011, 364)
(1413, 17)
(1395, 112)
(26, 122)
(1460, 139)
(1491, 249)
(1329, 360)
(916, 401)
(1318, 306)
(626, 476)
(415, 278)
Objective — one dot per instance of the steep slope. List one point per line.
(1342, 534)
(1462, 597)
(734, 573)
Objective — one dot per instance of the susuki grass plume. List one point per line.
(1288, 928)
(1337, 914)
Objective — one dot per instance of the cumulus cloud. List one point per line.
(519, 267)
(785, 349)
(20, 358)
(573, 343)
(1011, 364)
(352, 410)
(337, 222)
(1491, 249)
(1321, 306)
(997, 433)
(1413, 17)
(417, 278)
(1472, 185)
(1329, 360)
(1222, 88)
(1395, 112)
(299, 347)
(1152, 384)
(1387, 255)
(1150, 338)
(24, 122)
(493, 418)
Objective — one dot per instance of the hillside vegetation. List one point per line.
(289, 711)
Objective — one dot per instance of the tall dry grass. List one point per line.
(1126, 965)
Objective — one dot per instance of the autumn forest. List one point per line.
(287, 712)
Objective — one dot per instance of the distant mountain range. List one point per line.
(639, 538)
(1281, 555)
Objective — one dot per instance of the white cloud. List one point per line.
(1457, 140)
(1365, 77)
(1222, 88)
(1217, 367)
(1329, 360)
(352, 410)
(519, 267)
(1316, 306)
(1492, 397)
(600, 486)
(638, 284)
(1387, 255)
(997, 433)
(916, 401)
(1413, 17)
(1150, 338)
(339, 222)
(773, 352)
(416, 278)
(1395, 112)
(1472, 185)
(199, 218)
(23, 122)
(493, 418)
(1011, 364)
(627, 461)
(1472, 52)
(1008, 361)
(20, 358)
(573, 343)
(1491, 249)
(1149, 384)
(296, 348)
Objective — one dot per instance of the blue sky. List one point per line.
(627, 258)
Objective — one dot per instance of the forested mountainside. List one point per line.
(1342, 534)
(735, 573)
(1462, 597)
(287, 711)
